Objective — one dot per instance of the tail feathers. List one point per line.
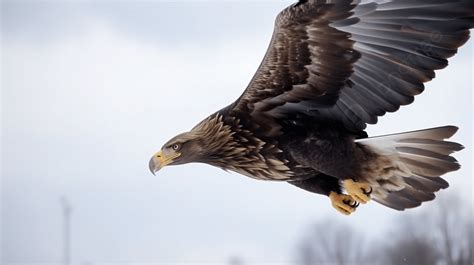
(437, 146)
(438, 133)
(426, 163)
(417, 160)
(405, 198)
(427, 184)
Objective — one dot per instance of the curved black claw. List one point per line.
(367, 192)
(353, 204)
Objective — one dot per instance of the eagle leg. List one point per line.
(360, 191)
(344, 203)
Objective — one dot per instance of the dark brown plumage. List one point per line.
(331, 68)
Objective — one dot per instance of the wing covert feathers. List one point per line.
(417, 160)
(351, 62)
(294, 74)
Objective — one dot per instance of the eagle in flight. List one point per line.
(332, 67)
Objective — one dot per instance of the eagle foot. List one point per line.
(358, 190)
(344, 203)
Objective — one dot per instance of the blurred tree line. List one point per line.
(440, 234)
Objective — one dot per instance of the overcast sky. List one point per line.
(91, 91)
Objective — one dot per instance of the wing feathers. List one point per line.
(295, 74)
(353, 62)
(401, 44)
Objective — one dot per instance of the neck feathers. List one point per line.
(229, 146)
(217, 138)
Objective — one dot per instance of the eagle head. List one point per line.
(211, 141)
(181, 149)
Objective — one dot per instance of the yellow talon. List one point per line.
(358, 190)
(344, 203)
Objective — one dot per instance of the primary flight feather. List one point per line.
(332, 67)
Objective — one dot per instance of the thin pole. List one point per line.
(66, 207)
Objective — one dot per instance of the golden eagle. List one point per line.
(332, 67)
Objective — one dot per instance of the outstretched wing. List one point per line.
(351, 62)
(307, 63)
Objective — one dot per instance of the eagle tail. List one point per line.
(413, 165)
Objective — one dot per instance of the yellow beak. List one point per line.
(159, 160)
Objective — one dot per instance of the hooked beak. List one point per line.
(156, 162)
(159, 160)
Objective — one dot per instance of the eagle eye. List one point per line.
(176, 147)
